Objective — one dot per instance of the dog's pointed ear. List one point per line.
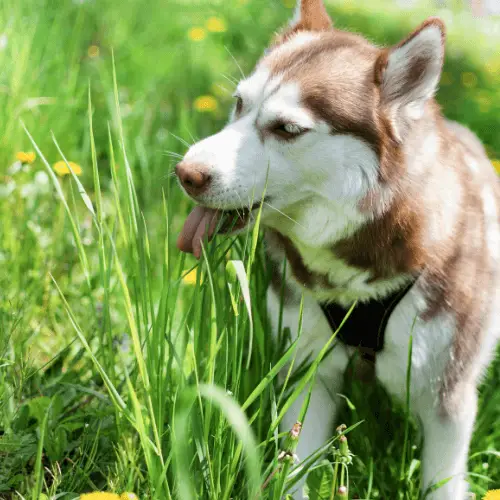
(408, 74)
(311, 15)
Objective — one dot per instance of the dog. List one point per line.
(369, 196)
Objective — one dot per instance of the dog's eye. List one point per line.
(239, 104)
(288, 130)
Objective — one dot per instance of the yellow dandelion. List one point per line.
(24, 157)
(62, 169)
(99, 496)
(446, 78)
(469, 79)
(205, 104)
(216, 25)
(492, 495)
(496, 164)
(197, 34)
(128, 496)
(191, 277)
(93, 51)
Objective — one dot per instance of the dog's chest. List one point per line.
(330, 279)
(364, 326)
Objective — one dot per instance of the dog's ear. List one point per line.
(408, 74)
(311, 15)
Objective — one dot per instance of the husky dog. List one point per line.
(371, 195)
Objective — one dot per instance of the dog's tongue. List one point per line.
(201, 222)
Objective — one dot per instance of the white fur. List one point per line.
(472, 164)
(295, 42)
(491, 222)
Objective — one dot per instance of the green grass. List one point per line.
(116, 373)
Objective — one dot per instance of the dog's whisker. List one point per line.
(241, 201)
(283, 214)
(172, 154)
(181, 140)
(166, 176)
(194, 139)
(235, 61)
(226, 90)
(229, 79)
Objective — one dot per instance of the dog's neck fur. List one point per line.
(369, 249)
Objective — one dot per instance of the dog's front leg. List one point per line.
(447, 428)
(317, 427)
(446, 445)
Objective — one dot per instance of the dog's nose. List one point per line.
(194, 177)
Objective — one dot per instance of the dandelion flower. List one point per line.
(62, 169)
(496, 164)
(492, 495)
(99, 496)
(469, 80)
(128, 496)
(191, 277)
(197, 34)
(205, 104)
(216, 25)
(24, 157)
(93, 51)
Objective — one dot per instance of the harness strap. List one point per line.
(365, 327)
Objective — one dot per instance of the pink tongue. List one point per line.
(200, 222)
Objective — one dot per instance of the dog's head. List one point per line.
(320, 116)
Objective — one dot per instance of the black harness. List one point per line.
(365, 327)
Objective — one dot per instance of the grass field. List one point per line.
(125, 366)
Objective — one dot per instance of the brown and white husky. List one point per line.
(371, 195)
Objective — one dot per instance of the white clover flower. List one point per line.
(7, 189)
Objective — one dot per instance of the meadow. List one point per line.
(124, 365)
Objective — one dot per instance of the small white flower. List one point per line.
(14, 168)
(42, 181)
(34, 227)
(3, 41)
(29, 190)
(7, 189)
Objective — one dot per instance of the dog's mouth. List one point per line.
(206, 222)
